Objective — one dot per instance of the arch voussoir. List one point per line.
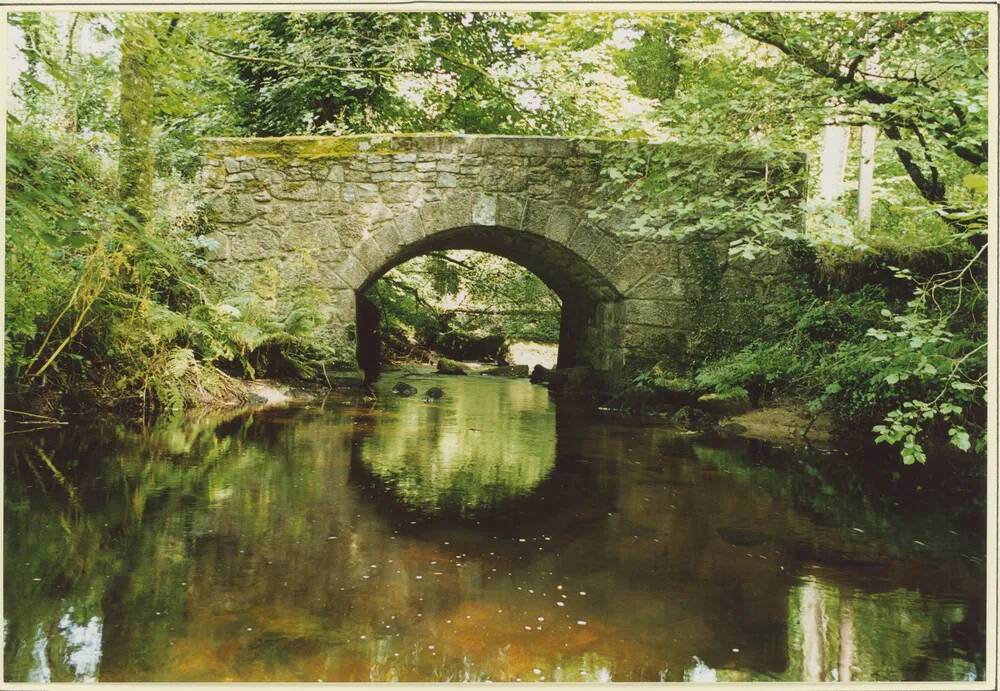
(484, 209)
(352, 272)
(536, 217)
(370, 254)
(453, 211)
(585, 239)
(410, 227)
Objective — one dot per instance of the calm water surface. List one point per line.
(489, 535)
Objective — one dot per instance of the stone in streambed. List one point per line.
(725, 404)
(540, 374)
(403, 389)
(447, 366)
(513, 371)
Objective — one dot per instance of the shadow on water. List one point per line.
(491, 534)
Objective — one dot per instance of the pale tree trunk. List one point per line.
(866, 163)
(135, 162)
(71, 98)
(866, 176)
(67, 84)
(41, 36)
(833, 160)
(813, 622)
(846, 639)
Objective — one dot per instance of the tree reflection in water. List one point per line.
(489, 535)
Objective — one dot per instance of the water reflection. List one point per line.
(489, 535)
(455, 457)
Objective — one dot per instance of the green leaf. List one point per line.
(960, 438)
(976, 183)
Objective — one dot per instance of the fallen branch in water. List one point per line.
(47, 423)
(41, 426)
(34, 415)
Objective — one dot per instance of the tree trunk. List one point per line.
(846, 658)
(866, 176)
(70, 91)
(866, 162)
(135, 163)
(833, 161)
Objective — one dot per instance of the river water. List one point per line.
(488, 535)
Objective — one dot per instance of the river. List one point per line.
(493, 534)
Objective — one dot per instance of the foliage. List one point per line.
(726, 189)
(869, 361)
(928, 96)
(119, 313)
(337, 73)
(773, 80)
(460, 294)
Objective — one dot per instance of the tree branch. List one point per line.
(930, 188)
(285, 63)
(445, 257)
(520, 313)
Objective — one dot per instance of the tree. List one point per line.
(928, 96)
(135, 163)
(337, 72)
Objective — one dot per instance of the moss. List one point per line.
(699, 262)
(312, 147)
(265, 282)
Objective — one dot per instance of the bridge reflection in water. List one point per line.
(489, 535)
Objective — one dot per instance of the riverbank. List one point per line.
(785, 422)
(781, 422)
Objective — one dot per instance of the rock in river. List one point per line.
(513, 371)
(540, 374)
(725, 404)
(447, 366)
(403, 389)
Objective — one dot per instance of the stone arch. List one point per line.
(293, 217)
(556, 245)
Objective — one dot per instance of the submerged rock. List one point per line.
(731, 429)
(513, 371)
(725, 404)
(404, 389)
(433, 393)
(693, 418)
(447, 366)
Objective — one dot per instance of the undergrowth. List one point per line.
(104, 311)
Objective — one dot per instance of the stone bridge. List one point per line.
(322, 218)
